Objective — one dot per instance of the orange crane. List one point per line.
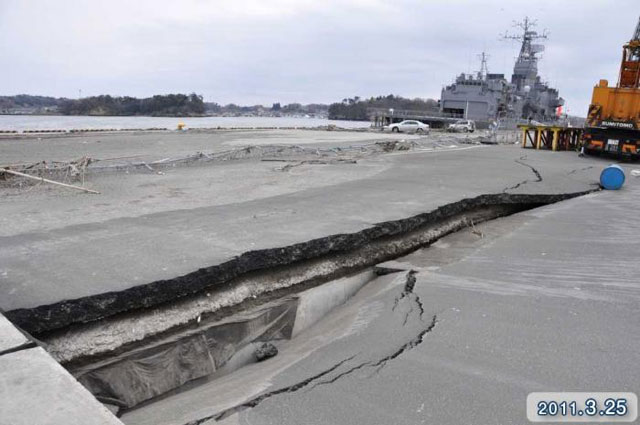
(613, 122)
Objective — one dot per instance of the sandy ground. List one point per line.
(136, 192)
(158, 145)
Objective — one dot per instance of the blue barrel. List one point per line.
(612, 177)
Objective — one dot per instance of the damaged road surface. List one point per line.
(200, 287)
(79, 268)
(524, 308)
(358, 340)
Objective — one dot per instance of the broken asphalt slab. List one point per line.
(536, 305)
(71, 262)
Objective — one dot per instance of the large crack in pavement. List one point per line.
(409, 345)
(575, 170)
(408, 293)
(379, 364)
(60, 315)
(316, 380)
(523, 182)
(296, 267)
(257, 400)
(533, 169)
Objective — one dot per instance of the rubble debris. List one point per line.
(396, 145)
(289, 166)
(298, 155)
(266, 351)
(476, 231)
(42, 179)
(62, 170)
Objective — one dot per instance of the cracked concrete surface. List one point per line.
(337, 255)
(323, 371)
(527, 308)
(127, 252)
(289, 389)
(535, 172)
(513, 351)
(409, 294)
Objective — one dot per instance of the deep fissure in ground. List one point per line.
(59, 315)
(345, 253)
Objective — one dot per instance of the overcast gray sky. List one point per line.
(265, 51)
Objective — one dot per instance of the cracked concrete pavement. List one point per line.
(472, 324)
(545, 300)
(329, 352)
(533, 170)
(54, 250)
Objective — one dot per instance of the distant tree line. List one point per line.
(25, 101)
(159, 105)
(356, 108)
(192, 105)
(275, 109)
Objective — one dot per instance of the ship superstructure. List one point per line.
(486, 96)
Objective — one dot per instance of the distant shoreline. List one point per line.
(78, 123)
(165, 116)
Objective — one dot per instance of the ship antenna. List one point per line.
(484, 69)
(527, 51)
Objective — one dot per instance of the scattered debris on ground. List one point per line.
(266, 351)
(77, 170)
(396, 145)
(43, 180)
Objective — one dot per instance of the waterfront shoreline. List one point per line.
(20, 123)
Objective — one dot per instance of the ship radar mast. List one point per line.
(528, 50)
(525, 71)
(484, 69)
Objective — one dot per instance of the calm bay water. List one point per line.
(48, 122)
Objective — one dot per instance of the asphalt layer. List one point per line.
(59, 250)
(544, 300)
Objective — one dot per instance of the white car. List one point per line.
(409, 126)
(465, 126)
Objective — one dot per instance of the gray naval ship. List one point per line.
(490, 97)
